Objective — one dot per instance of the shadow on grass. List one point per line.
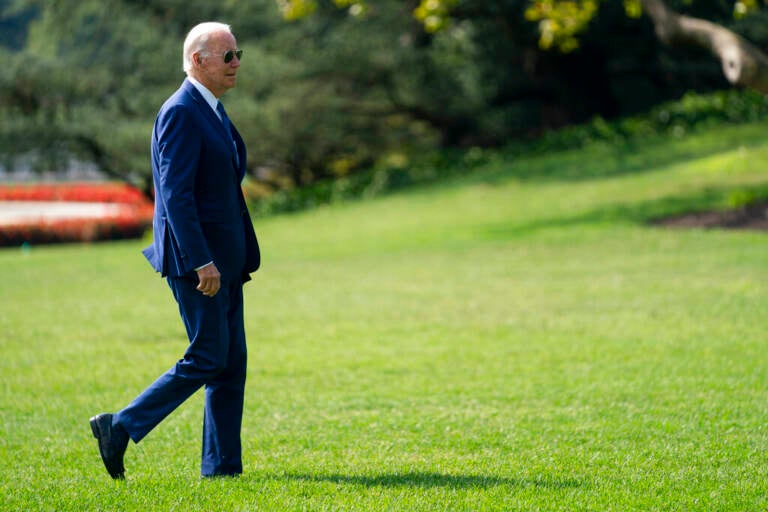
(649, 213)
(430, 480)
(617, 158)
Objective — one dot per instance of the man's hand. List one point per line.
(210, 280)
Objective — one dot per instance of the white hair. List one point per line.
(197, 39)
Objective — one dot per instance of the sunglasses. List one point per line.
(231, 54)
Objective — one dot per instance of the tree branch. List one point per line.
(743, 63)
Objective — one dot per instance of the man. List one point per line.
(204, 243)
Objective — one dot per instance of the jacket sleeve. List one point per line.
(178, 144)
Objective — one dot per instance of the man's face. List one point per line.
(218, 76)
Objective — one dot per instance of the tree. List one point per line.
(317, 99)
(561, 22)
(344, 84)
(742, 62)
(90, 77)
(81, 86)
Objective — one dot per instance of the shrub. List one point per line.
(675, 119)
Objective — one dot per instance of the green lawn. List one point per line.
(517, 339)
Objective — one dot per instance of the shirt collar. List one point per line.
(208, 96)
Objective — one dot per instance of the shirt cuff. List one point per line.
(203, 266)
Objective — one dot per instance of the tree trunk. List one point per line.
(743, 63)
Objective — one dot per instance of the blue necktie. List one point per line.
(228, 129)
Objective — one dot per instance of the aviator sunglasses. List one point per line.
(231, 54)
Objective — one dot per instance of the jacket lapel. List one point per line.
(209, 114)
(205, 108)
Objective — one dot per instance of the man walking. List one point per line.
(205, 244)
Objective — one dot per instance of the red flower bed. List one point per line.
(131, 218)
(74, 192)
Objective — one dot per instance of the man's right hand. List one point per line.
(210, 280)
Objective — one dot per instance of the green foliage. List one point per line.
(293, 10)
(693, 113)
(515, 340)
(745, 197)
(85, 66)
(329, 95)
(332, 111)
(434, 14)
(561, 22)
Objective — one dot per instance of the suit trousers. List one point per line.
(215, 358)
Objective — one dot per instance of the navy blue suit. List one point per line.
(200, 217)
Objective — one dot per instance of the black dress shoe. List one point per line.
(113, 441)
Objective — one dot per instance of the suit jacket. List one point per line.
(200, 213)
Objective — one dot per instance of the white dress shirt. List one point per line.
(212, 102)
(208, 96)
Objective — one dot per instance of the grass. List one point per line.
(516, 339)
